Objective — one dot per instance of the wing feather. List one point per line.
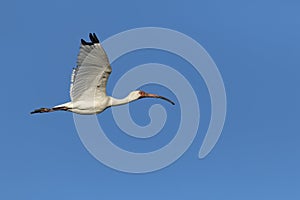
(90, 76)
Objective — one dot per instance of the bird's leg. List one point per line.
(60, 108)
(43, 110)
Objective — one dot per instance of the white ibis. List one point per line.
(88, 83)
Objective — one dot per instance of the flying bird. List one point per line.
(88, 83)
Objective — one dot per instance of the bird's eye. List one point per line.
(142, 93)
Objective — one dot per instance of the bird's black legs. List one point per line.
(64, 108)
(43, 110)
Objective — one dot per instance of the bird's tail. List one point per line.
(43, 110)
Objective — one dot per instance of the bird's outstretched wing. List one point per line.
(90, 76)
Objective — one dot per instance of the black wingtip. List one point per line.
(93, 38)
(96, 39)
(83, 42)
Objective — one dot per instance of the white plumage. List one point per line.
(88, 83)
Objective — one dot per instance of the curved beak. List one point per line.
(148, 95)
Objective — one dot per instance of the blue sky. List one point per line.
(255, 45)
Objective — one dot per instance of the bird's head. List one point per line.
(138, 94)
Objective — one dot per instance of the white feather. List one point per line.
(90, 77)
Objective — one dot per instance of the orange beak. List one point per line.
(147, 95)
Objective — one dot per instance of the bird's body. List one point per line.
(88, 83)
(94, 106)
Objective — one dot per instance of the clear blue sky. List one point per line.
(255, 45)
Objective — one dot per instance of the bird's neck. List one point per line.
(117, 102)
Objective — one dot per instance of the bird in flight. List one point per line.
(88, 83)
